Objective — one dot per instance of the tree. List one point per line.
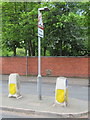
(10, 26)
(65, 28)
(65, 36)
(28, 23)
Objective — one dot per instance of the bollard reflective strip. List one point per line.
(12, 88)
(60, 95)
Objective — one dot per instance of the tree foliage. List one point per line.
(65, 28)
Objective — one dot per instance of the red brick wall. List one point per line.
(0, 65)
(13, 65)
(59, 66)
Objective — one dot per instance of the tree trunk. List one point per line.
(44, 51)
(60, 47)
(14, 51)
(33, 49)
(29, 49)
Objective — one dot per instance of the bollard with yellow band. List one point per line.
(14, 85)
(61, 92)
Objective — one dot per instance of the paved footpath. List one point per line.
(30, 104)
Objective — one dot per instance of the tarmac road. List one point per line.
(75, 91)
(8, 114)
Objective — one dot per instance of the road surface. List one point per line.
(8, 114)
(75, 91)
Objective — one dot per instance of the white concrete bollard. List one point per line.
(14, 85)
(61, 92)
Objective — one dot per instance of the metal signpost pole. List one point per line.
(40, 35)
(39, 63)
(39, 70)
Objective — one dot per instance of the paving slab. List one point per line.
(31, 104)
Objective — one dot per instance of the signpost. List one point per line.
(40, 35)
(40, 32)
(40, 25)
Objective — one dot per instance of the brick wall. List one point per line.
(56, 66)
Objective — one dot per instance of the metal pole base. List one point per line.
(39, 84)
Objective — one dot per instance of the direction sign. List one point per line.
(40, 26)
(40, 32)
(40, 22)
